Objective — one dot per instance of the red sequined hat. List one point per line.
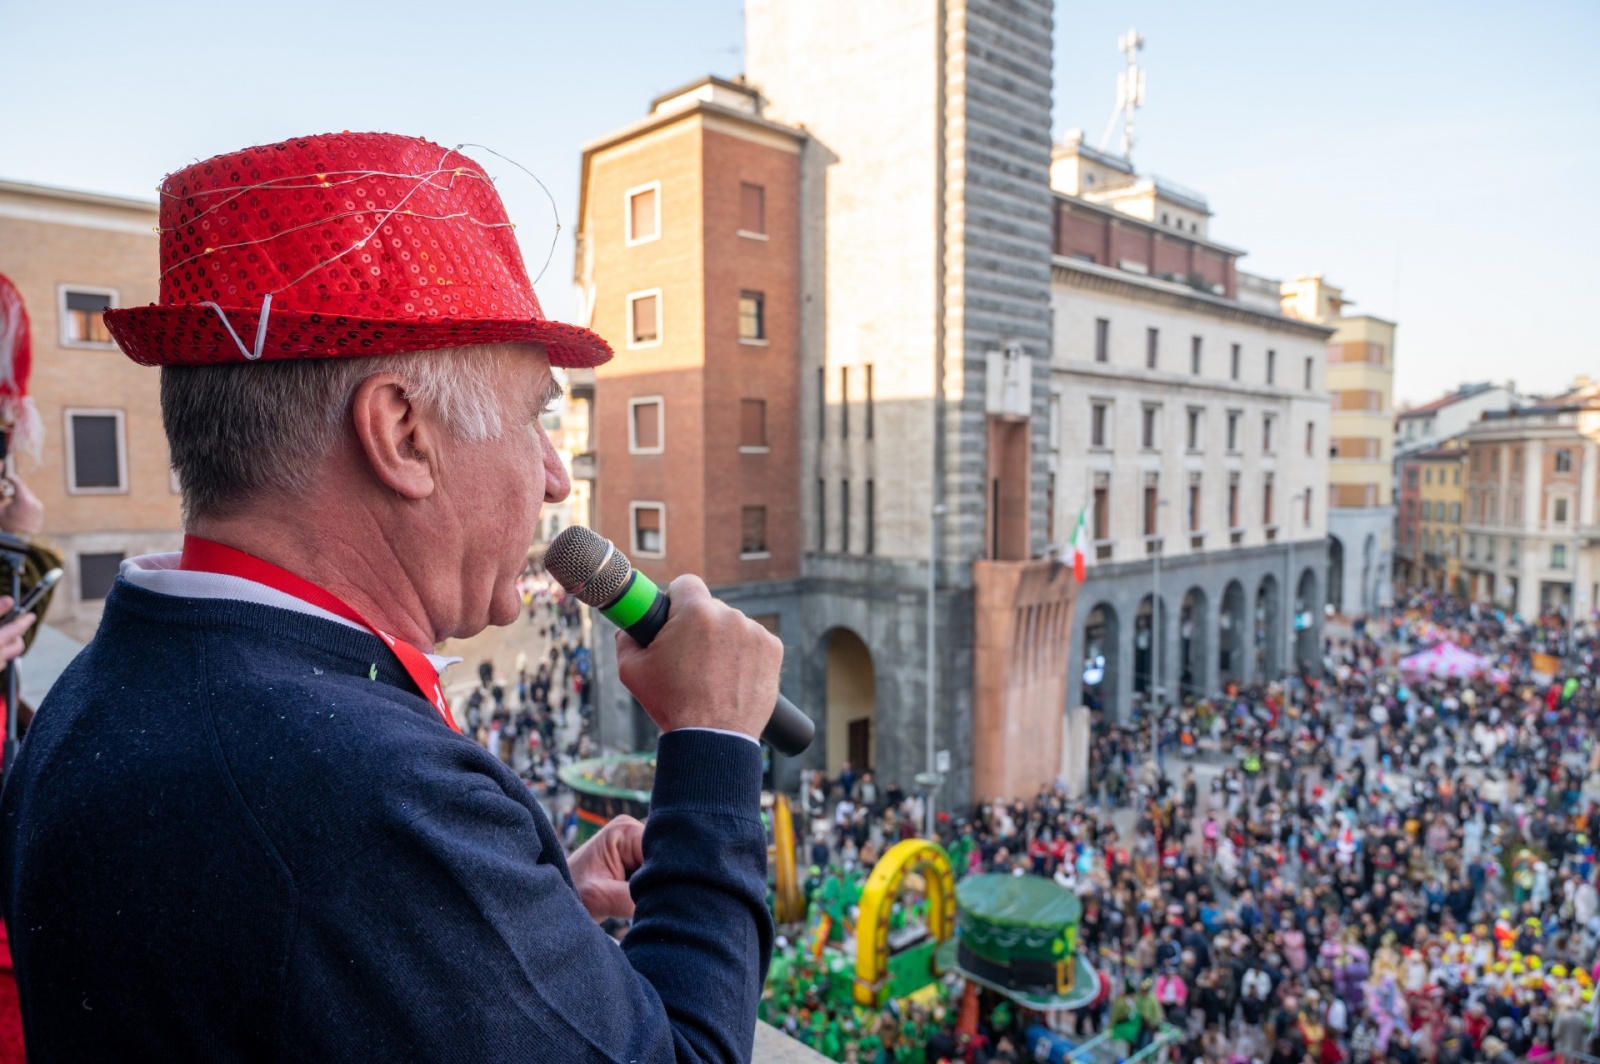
(340, 244)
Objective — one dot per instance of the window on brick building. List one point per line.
(752, 317)
(1558, 511)
(752, 210)
(643, 214)
(753, 532)
(1558, 556)
(644, 318)
(81, 322)
(753, 425)
(649, 528)
(96, 574)
(97, 461)
(646, 431)
(1563, 461)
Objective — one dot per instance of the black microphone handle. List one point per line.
(788, 730)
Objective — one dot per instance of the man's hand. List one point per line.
(23, 515)
(600, 867)
(12, 631)
(710, 667)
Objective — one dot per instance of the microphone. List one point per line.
(589, 566)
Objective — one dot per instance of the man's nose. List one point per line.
(557, 482)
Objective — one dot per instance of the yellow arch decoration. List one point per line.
(877, 900)
(787, 897)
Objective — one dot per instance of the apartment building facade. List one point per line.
(103, 472)
(1360, 382)
(1189, 426)
(1532, 522)
(1429, 524)
(689, 258)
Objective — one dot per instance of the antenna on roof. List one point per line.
(1130, 93)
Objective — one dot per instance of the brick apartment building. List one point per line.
(689, 254)
(104, 475)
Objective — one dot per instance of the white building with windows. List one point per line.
(1190, 425)
(1422, 428)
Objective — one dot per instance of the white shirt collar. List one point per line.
(160, 573)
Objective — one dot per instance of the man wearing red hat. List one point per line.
(244, 825)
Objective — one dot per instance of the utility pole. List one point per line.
(1157, 631)
(930, 778)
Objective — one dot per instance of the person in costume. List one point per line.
(280, 842)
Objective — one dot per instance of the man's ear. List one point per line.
(400, 444)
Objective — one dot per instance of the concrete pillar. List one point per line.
(1123, 700)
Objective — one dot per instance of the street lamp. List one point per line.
(930, 779)
(1156, 632)
(1288, 568)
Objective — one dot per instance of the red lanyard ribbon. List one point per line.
(205, 556)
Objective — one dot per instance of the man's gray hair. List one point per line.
(242, 431)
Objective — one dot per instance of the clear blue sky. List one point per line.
(1436, 159)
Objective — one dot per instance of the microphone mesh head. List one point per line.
(574, 558)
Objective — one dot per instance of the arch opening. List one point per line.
(1192, 636)
(1100, 665)
(1231, 634)
(851, 702)
(1267, 625)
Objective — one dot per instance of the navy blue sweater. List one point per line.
(224, 841)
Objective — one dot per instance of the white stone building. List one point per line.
(1189, 423)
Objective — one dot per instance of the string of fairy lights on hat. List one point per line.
(321, 180)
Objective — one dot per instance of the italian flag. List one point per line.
(1078, 547)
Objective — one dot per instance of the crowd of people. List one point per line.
(536, 717)
(1363, 866)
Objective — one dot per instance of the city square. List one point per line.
(1201, 642)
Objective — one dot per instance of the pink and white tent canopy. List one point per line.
(1445, 661)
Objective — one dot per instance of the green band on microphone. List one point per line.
(634, 603)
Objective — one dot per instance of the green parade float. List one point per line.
(609, 787)
(1018, 936)
(869, 965)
